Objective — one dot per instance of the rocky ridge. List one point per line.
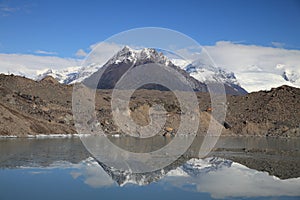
(45, 107)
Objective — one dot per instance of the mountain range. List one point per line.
(197, 74)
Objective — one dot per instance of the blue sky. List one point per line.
(64, 27)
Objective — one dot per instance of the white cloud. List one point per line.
(278, 44)
(256, 67)
(102, 52)
(6, 10)
(28, 65)
(240, 57)
(99, 53)
(45, 52)
(80, 53)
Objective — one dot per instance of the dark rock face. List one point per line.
(111, 74)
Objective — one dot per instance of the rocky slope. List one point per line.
(271, 113)
(30, 107)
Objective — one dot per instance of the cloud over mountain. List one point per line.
(255, 67)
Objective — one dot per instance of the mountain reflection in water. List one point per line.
(51, 160)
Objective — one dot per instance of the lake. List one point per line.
(238, 167)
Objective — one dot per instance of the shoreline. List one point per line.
(50, 136)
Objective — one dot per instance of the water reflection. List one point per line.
(234, 180)
(74, 167)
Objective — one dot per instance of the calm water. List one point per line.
(61, 168)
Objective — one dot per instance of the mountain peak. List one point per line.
(49, 79)
(141, 56)
(126, 49)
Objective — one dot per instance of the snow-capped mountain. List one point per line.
(207, 73)
(72, 75)
(120, 63)
(129, 55)
(62, 76)
(69, 75)
(78, 74)
(291, 76)
(196, 73)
